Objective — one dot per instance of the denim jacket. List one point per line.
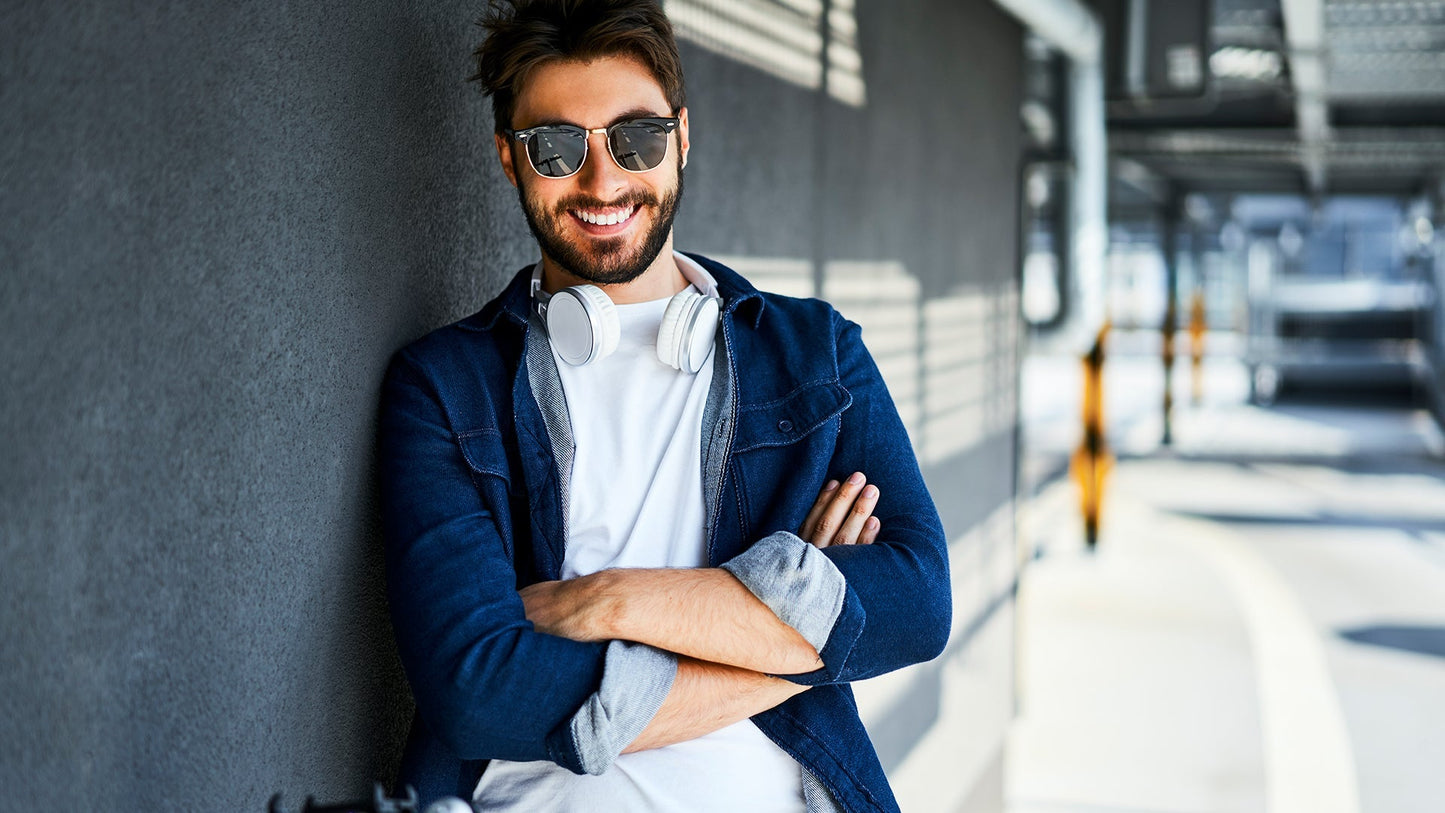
(473, 495)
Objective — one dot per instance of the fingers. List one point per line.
(835, 510)
(810, 524)
(839, 515)
(870, 531)
(856, 517)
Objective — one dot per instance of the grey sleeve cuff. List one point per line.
(816, 797)
(797, 582)
(635, 680)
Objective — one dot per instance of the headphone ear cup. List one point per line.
(582, 324)
(667, 333)
(685, 339)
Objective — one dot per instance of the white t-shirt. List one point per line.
(636, 501)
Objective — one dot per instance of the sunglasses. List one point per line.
(558, 150)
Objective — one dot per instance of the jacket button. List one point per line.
(785, 425)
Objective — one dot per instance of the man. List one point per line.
(590, 487)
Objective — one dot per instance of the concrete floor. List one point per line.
(1262, 627)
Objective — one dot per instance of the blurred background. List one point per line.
(1154, 284)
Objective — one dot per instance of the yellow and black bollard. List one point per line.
(1092, 461)
(1196, 346)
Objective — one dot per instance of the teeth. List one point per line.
(611, 219)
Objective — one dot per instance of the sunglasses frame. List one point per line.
(669, 123)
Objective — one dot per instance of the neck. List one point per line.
(661, 280)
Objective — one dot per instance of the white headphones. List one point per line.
(582, 325)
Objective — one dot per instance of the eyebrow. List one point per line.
(634, 113)
(637, 113)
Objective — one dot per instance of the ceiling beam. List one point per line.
(1067, 25)
(1139, 178)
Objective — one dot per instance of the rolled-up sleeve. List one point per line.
(797, 582)
(635, 681)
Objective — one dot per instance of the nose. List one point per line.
(600, 175)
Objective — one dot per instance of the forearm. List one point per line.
(703, 613)
(706, 697)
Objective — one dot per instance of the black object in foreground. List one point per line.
(378, 803)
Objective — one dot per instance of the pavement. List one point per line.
(1262, 626)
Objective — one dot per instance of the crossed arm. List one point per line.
(729, 641)
(491, 683)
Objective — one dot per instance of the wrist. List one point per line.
(605, 606)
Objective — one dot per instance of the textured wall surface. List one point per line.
(215, 226)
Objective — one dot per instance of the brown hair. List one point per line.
(522, 34)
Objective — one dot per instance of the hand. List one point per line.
(843, 514)
(573, 608)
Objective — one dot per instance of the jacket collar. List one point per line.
(515, 302)
(738, 294)
(511, 305)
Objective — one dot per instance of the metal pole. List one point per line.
(1169, 246)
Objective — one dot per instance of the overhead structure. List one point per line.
(1314, 97)
(1072, 29)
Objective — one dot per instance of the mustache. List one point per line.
(634, 198)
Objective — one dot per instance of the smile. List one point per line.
(604, 218)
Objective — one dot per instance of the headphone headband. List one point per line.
(582, 325)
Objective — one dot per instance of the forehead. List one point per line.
(591, 93)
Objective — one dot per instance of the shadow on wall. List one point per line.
(947, 361)
(784, 39)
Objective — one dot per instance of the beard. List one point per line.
(605, 261)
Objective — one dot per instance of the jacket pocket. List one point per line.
(485, 452)
(781, 453)
(789, 419)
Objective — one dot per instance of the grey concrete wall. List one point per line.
(217, 223)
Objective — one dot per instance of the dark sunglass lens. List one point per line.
(556, 152)
(638, 146)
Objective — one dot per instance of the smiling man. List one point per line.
(614, 580)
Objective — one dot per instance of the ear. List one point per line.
(682, 140)
(504, 154)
